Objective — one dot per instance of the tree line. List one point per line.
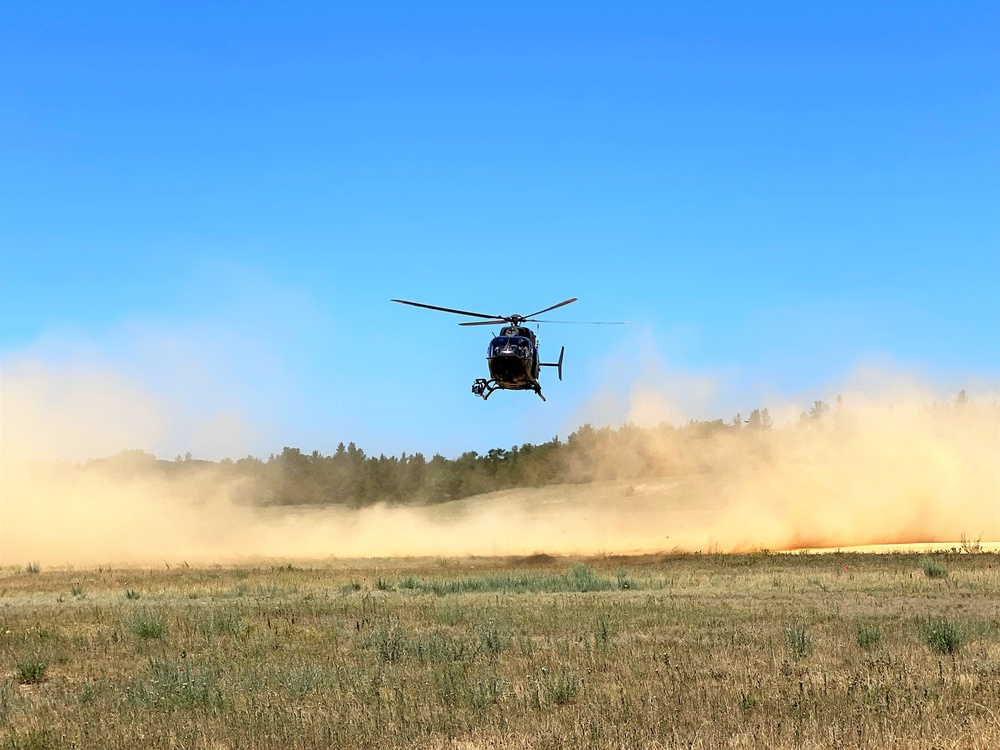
(351, 478)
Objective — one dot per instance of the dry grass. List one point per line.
(707, 651)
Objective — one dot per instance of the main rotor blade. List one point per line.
(585, 322)
(446, 309)
(498, 321)
(564, 302)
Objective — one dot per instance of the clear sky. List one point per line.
(210, 205)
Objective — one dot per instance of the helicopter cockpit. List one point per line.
(509, 346)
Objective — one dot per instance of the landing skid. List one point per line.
(483, 388)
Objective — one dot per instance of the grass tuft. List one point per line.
(148, 624)
(390, 645)
(559, 687)
(867, 635)
(492, 639)
(34, 567)
(169, 686)
(798, 640)
(487, 691)
(603, 633)
(31, 671)
(8, 698)
(625, 582)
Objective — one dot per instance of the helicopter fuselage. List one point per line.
(513, 359)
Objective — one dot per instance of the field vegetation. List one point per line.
(687, 650)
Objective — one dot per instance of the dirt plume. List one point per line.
(873, 469)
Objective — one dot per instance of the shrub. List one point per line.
(942, 635)
(933, 568)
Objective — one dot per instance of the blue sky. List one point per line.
(213, 204)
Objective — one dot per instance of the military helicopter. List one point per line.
(512, 355)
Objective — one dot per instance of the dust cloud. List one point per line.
(900, 466)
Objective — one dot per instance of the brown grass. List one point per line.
(697, 651)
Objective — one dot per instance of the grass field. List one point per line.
(761, 650)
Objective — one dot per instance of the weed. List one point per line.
(88, 694)
(450, 613)
(492, 640)
(216, 622)
(868, 635)
(31, 671)
(941, 635)
(487, 691)
(933, 568)
(132, 594)
(559, 688)
(302, 680)
(798, 640)
(8, 697)
(168, 686)
(436, 647)
(972, 547)
(34, 567)
(390, 645)
(624, 581)
(824, 587)
(583, 578)
(602, 633)
(383, 585)
(148, 624)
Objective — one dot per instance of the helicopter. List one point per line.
(512, 356)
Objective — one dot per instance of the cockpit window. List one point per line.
(515, 346)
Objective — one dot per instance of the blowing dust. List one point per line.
(872, 471)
